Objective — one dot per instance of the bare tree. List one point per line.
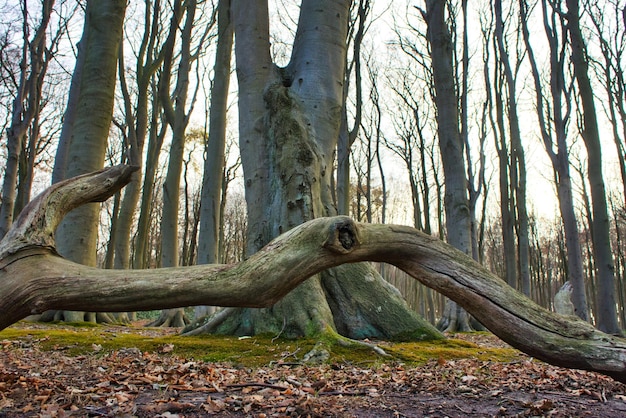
(517, 164)
(215, 150)
(348, 135)
(177, 110)
(451, 147)
(35, 56)
(606, 313)
(553, 114)
(136, 104)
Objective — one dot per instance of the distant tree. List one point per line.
(215, 149)
(516, 161)
(347, 135)
(148, 58)
(23, 131)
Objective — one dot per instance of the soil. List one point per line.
(131, 383)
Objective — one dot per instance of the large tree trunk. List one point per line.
(35, 278)
(88, 135)
(288, 136)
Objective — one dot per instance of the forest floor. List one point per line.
(42, 375)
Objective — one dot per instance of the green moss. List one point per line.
(258, 351)
(449, 349)
(77, 324)
(420, 334)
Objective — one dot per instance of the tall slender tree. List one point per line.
(211, 205)
(149, 58)
(601, 237)
(553, 122)
(517, 163)
(451, 147)
(348, 135)
(212, 197)
(177, 111)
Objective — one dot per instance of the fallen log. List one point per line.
(34, 278)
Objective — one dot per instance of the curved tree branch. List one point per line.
(33, 278)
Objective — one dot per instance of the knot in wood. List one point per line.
(343, 236)
(346, 237)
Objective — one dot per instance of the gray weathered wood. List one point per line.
(33, 278)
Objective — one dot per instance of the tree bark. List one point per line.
(90, 124)
(211, 199)
(456, 201)
(552, 124)
(289, 122)
(90, 129)
(34, 278)
(601, 236)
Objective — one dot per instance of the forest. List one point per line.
(316, 173)
(497, 127)
(524, 83)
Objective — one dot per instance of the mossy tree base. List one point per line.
(351, 300)
(34, 278)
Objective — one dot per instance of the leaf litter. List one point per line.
(129, 382)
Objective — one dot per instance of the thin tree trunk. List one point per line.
(458, 231)
(606, 313)
(560, 96)
(347, 136)
(177, 119)
(156, 136)
(518, 162)
(25, 109)
(148, 61)
(211, 200)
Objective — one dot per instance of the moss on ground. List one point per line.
(257, 351)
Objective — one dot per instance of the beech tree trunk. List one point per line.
(289, 122)
(34, 278)
(456, 200)
(87, 137)
(553, 121)
(601, 236)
